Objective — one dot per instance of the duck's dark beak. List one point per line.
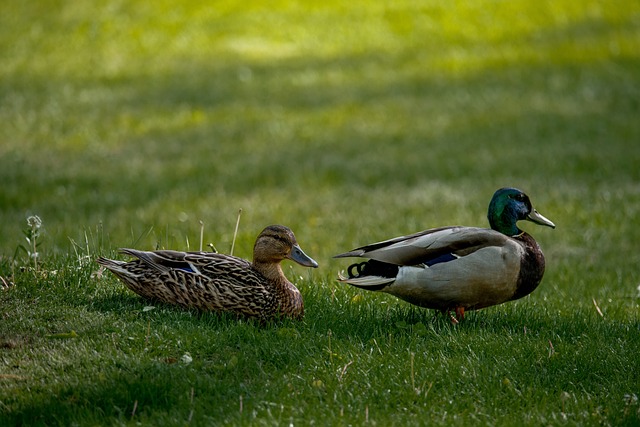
(535, 217)
(298, 255)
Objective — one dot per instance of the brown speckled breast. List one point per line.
(531, 267)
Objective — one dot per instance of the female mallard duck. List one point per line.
(212, 281)
(458, 268)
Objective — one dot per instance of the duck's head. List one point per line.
(276, 243)
(510, 205)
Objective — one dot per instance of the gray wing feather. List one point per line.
(416, 248)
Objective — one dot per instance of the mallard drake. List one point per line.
(213, 281)
(458, 268)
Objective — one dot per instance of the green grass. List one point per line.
(126, 124)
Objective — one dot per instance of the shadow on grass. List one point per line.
(142, 390)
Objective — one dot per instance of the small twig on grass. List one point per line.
(240, 403)
(201, 234)
(377, 346)
(146, 339)
(413, 383)
(86, 243)
(597, 307)
(344, 370)
(426, 393)
(190, 412)
(551, 349)
(563, 398)
(235, 233)
(12, 377)
(5, 283)
(133, 411)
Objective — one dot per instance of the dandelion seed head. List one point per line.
(34, 222)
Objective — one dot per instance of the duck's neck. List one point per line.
(288, 296)
(272, 272)
(506, 226)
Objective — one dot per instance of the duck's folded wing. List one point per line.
(426, 246)
(160, 261)
(166, 260)
(215, 265)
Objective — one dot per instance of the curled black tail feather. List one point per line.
(372, 268)
(359, 267)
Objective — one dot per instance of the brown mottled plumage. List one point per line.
(211, 281)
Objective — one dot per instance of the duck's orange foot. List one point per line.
(458, 317)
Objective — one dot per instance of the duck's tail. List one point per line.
(111, 264)
(370, 283)
(371, 275)
(119, 268)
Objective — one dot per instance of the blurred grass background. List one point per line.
(128, 123)
(346, 123)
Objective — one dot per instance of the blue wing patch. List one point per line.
(441, 259)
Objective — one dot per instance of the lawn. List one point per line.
(134, 124)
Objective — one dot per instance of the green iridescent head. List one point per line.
(510, 205)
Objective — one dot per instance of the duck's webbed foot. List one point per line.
(459, 315)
